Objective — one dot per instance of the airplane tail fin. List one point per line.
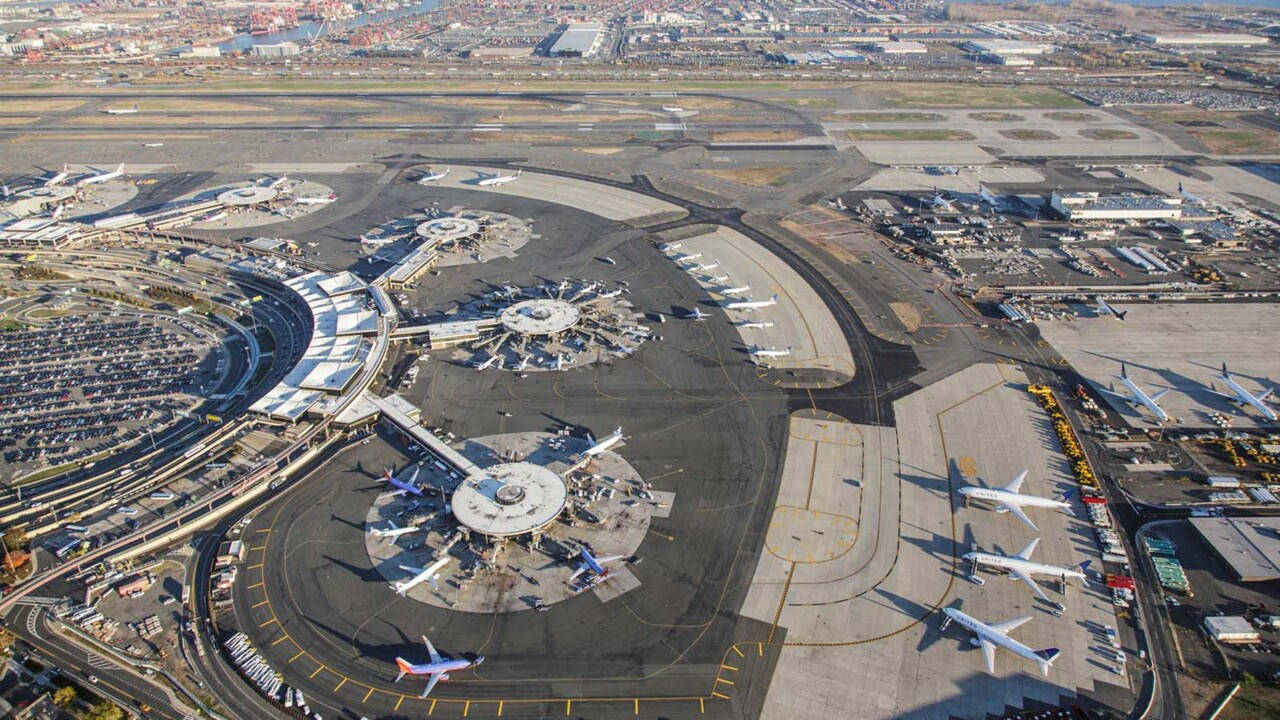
(1225, 374)
(1047, 656)
(1067, 495)
(404, 667)
(1124, 371)
(1083, 566)
(1120, 313)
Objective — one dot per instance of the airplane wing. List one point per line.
(1031, 583)
(581, 569)
(435, 656)
(609, 558)
(1030, 548)
(1017, 512)
(988, 654)
(1016, 484)
(412, 569)
(1157, 396)
(431, 684)
(1112, 393)
(392, 525)
(1008, 626)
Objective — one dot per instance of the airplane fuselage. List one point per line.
(1010, 498)
(1244, 397)
(1028, 567)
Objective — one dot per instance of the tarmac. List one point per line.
(871, 611)
(1175, 347)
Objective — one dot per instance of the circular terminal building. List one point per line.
(250, 196)
(540, 317)
(449, 231)
(510, 500)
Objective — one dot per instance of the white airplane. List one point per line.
(391, 532)
(1007, 499)
(1137, 397)
(1243, 397)
(524, 363)
(57, 212)
(698, 315)
(598, 447)
(214, 217)
(120, 111)
(985, 195)
(58, 177)
(499, 179)
(672, 109)
(103, 177)
(5, 189)
(1104, 309)
(376, 242)
(709, 266)
(432, 177)
(278, 181)
(1022, 567)
(755, 325)
(668, 247)
(488, 363)
(316, 200)
(941, 201)
(437, 669)
(402, 487)
(612, 293)
(420, 575)
(993, 635)
(689, 258)
(752, 305)
(608, 260)
(594, 565)
(760, 352)
(1187, 196)
(735, 290)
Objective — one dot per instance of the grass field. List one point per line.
(12, 120)
(565, 117)
(49, 105)
(9, 325)
(1237, 141)
(805, 102)
(255, 118)
(1108, 134)
(1068, 116)
(884, 117)
(996, 117)
(917, 134)
(761, 176)
(1222, 132)
(925, 95)
(728, 136)
(1028, 134)
(1255, 701)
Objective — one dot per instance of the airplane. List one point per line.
(985, 195)
(760, 352)
(562, 362)
(103, 177)
(1137, 397)
(316, 200)
(488, 363)
(752, 305)
(1007, 499)
(1104, 309)
(214, 217)
(5, 189)
(735, 290)
(57, 212)
(993, 635)
(689, 258)
(1022, 567)
(594, 565)
(755, 325)
(697, 314)
(376, 242)
(499, 179)
(120, 111)
(391, 532)
(667, 247)
(409, 486)
(278, 181)
(718, 278)
(58, 177)
(599, 447)
(608, 260)
(1244, 397)
(432, 177)
(709, 266)
(438, 669)
(942, 201)
(1187, 196)
(524, 363)
(420, 575)
(612, 293)
(672, 109)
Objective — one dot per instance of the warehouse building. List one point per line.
(578, 40)
(1249, 546)
(1092, 206)
(1195, 39)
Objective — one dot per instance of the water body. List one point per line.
(1175, 3)
(308, 29)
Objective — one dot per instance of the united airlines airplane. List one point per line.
(1240, 396)
(1007, 499)
(1022, 567)
(993, 635)
(1137, 397)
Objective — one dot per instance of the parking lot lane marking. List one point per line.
(735, 649)
(254, 586)
(729, 667)
(500, 703)
(636, 707)
(264, 602)
(255, 567)
(433, 706)
(466, 709)
(568, 706)
(268, 622)
(339, 687)
(300, 654)
(722, 680)
(760, 645)
(702, 706)
(265, 530)
(282, 639)
(398, 701)
(718, 695)
(317, 672)
(260, 547)
(366, 696)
